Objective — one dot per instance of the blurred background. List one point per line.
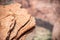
(44, 12)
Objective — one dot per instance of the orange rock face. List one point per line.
(14, 21)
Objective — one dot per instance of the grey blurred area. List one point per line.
(42, 31)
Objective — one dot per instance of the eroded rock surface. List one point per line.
(14, 21)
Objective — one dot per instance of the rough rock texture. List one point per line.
(14, 21)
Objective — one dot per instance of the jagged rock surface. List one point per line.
(14, 21)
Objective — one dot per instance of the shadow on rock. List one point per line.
(45, 24)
